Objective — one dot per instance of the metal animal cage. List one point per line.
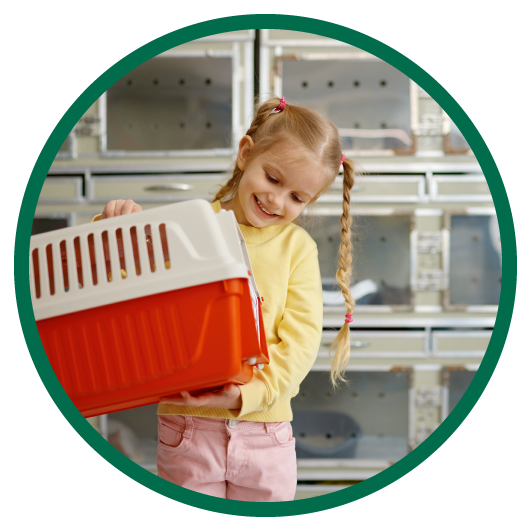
(377, 401)
(378, 235)
(472, 260)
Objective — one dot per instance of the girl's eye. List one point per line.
(274, 181)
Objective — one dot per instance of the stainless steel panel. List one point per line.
(460, 343)
(462, 188)
(68, 147)
(459, 382)
(309, 491)
(61, 189)
(382, 258)
(377, 401)
(357, 95)
(388, 188)
(475, 271)
(172, 103)
(148, 188)
(379, 343)
(457, 138)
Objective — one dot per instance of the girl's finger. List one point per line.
(108, 211)
(127, 207)
(136, 208)
(119, 206)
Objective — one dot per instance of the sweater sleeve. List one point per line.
(300, 331)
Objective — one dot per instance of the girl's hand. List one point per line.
(227, 398)
(120, 207)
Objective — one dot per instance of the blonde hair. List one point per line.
(321, 137)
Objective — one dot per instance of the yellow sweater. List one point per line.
(285, 264)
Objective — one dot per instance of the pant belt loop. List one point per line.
(189, 427)
(269, 427)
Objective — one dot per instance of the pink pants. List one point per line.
(250, 461)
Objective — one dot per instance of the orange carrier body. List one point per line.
(131, 352)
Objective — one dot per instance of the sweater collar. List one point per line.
(253, 234)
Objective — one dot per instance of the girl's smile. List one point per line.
(262, 210)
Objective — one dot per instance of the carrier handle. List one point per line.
(170, 187)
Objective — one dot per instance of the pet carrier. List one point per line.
(136, 307)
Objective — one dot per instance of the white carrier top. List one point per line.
(160, 249)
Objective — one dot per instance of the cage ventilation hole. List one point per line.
(331, 84)
(182, 125)
(356, 125)
(208, 81)
(305, 84)
(329, 435)
(208, 125)
(182, 81)
(382, 82)
(356, 83)
(383, 125)
(129, 82)
(156, 82)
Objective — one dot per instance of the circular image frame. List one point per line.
(476, 143)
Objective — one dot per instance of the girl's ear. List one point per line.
(245, 147)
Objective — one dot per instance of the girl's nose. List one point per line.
(275, 200)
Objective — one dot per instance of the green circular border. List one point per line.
(325, 29)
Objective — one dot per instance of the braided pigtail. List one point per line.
(342, 341)
(263, 111)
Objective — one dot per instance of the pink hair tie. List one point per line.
(342, 158)
(349, 317)
(280, 107)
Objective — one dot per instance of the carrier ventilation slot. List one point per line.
(78, 262)
(36, 271)
(92, 254)
(49, 262)
(64, 266)
(97, 255)
(134, 239)
(165, 248)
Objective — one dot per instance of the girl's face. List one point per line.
(272, 191)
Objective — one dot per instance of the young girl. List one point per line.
(237, 443)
